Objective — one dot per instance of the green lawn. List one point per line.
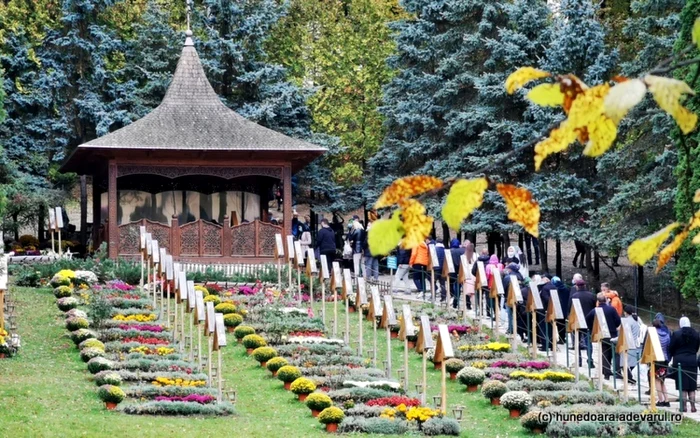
(46, 392)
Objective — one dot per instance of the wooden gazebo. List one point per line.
(192, 146)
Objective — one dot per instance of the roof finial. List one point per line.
(188, 33)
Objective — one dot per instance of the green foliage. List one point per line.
(179, 408)
(454, 365)
(253, 341)
(232, 319)
(441, 426)
(97, 364)
(111, 394)
(274, 364)
(73, 324)
(81, 335)
(379, 426)
(108, 378)
(242, 331)
(288, 373)
(91, 343)
(63, 291)
(318, 401)
(263, 354)
(331, 415)
(91, 352)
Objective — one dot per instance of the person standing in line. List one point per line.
(403, 258)
(305, 241)
(325, 242)
(357, 240)
(419, 260)
(439, 279)
(588, 303)
(661, 367)
(493, 266)
(371, 262)
(470, 282)
(511, 269)
(683, 349)
(563, 292)
(631, 322)
(612, 319)
(543, 331)
(612, 296)
(456, 252)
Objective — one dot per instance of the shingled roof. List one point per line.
(191, 117)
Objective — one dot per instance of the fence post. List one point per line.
(227, 240)
(175, 237)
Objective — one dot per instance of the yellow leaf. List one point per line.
(546, 95)
(559, 139)
(521, 207)
(385, 234)
(667, 93)
(465, 196)
(696, 198)
(642, 250)
(601, 135)
(622, 98)
(696, 240)
(695, 221)
(407, 187)
(522, 76)
(696, 32)
(416, 224)
(670, 249)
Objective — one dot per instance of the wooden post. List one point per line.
(388, 319)
(576, 354)
(324, 273)
(2, 309)
(435, 263)
(625, 341)
(407, 329)
(534, 303)
(423, 396)
(336, 278)
(576, 322)
(652, 385)
(514, 297)
(347, 288)
(554, 313)
(311, 271)
(375, 309)
(652, 353)
(443, 351)
(219, 341)
(360, 300)
(425, 342)
(279, 253)
(600, 332)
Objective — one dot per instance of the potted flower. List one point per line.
(453, 366)
(99, 363)
(251, 342)
(63, 292)
(80, 335)
(67, 303)
(111, 395)
(317, 402)
(493, 390)
(274, 364)
(232, 320)
(91, 352)
(411, 341)
(472, 377)
(351, 305)
(302, 387)
(288, 374)
(225, 308)
(263, 354)
(73, 324)
(108, 378)
(394, 329)
(242, 331)
(533, 421)
(331, 417)
(516, 402)
(212, 299)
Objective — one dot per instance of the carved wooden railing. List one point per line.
(254, 239)
(201, 239)
(129, 239)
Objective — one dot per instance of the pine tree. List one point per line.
(447, 113)
(687, 274)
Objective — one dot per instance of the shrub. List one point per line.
(225, 308)
(573, 397)
(179, 408)
(232, 319)
(318, 401)
(263, 354)
(89, 353)
(532, 420)
(358, 395)
(254, 341)
(454, 365)
(212, 299)
(27, 276)
(111, 394)
(303, 385)
(546, 385)
(73, 324)
(60, 281)
(97, 364)
(375, 426)
(80, 335)
(274, 364)
(520, 400)
(242, 331)
(108, 378)
(63, 291)
(331, 415)
(441, 426)
(394, 401)
(288, 373)
(493, 389)
(471, 376)
(554, 376)
(92, 343)
(67, 303)
(75, 313)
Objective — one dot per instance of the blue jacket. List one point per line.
(440, 250)
(325, 240)
(404, 256)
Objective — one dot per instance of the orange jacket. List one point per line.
(614, 301)
(420, 256)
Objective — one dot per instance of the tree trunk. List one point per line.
(558, 255)
(445, 235)
(83, 211)
(506, 241)
(596, 267)
(544, 264)
(15, 218)
(589, 259)
(640, 284)
(521, 242)
(41, 230)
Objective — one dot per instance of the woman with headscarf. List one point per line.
(470, 283)
(683, 349)
(661, 367)
(490, 268)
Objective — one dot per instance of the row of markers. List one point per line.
(166, 276)
(382, 310)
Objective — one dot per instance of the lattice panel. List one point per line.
(213, 239)
(129, 238)
(159, 232)
(189, 239)
(266, 239)
(244, 240)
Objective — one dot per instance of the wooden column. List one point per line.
(96, 212)
(287, 179)
(112, 205)
(227, 240)
(175, 236)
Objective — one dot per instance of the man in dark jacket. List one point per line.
(325, 242)
(511, 269)
(588, 303)
(563, 291)
(456, 252)
(612, 319)
(439, 279)
(484, 258)
(544, 334)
